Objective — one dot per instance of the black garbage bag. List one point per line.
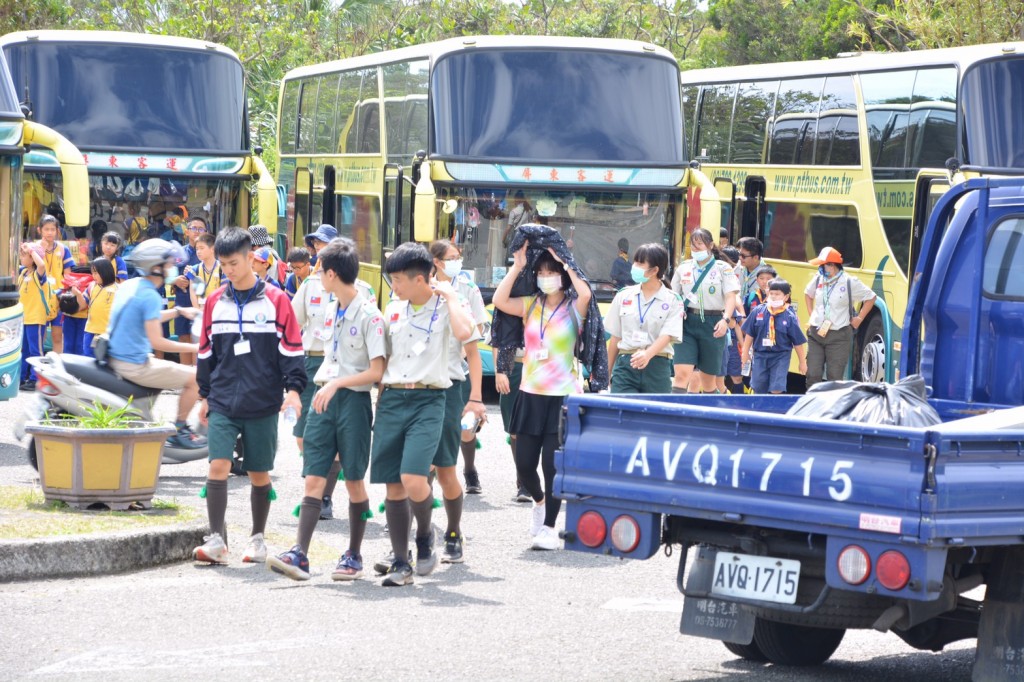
(901, 404)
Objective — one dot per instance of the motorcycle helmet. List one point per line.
(153, 254)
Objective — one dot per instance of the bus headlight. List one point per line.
(10, 335)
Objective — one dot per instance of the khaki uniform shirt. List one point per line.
(356, 338)
(717, 285)
(473, 302)
(418, 343)
(312, 304)
(662, 315)
(832, 301)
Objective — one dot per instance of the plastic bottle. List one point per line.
(290, 416)
(746, 368)
(469, 421)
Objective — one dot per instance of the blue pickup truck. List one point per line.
(791, 530)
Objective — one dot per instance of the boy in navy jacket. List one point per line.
(772, 333)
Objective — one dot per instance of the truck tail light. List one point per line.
(893, 570)
(591, 529)
(625, 534)
(854, 565)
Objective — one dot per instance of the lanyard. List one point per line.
(543, 325)
(639, 312)
(207, 279)
(241, 307)
(433, 316)
(829, 288)
(338, 316)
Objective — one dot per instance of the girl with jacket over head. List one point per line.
(708, 287)
(552, 322)
(644, 320)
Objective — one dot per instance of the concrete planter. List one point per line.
(116, 467)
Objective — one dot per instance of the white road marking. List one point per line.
(643, 605)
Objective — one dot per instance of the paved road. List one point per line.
(507, 613)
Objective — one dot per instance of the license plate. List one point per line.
(756, 577)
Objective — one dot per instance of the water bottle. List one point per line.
(469, 421)
(290, 416)
(746, 369)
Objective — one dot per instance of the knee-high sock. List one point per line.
(309, 514)
(357, 524)
(217, 506)
(468, 454)
(259, 497)
(399, 517)
(422, 510)
(453, 510)
(332, 478)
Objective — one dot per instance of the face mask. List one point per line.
(452, 268)
(822, 271)
(701, 256)
(775, 304)
(637, 273)
(549, 284)
(171, 272)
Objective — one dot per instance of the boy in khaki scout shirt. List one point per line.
(341, 416)
(410, 411)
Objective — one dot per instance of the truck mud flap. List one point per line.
(717, 619)
(1000, 653)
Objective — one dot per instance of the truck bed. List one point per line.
(741, 459)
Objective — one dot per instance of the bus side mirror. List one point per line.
(425, 207)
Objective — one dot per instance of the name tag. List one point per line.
(419, 348)
(540, 354)
(332, 372)
(242, 347)
(640, 339)
(767, 343)
(825, 326)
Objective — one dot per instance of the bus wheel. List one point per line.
(872, 351)
(786, 644)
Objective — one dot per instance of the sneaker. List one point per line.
(27, 385)
(350, 567)
(537, 518)
(399, 574)
(384, 565)
(256, 552)
(522, 496)
(212, 551)
(292, 564)
(426, 557)
(452, 553)
(472, 482)
(547, 538)
(326, 509)
(186, 439)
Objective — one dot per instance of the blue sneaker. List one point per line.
(350, 567)
(186, 439)
(292, 563)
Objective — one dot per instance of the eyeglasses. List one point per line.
(453, 258)
(745, 256)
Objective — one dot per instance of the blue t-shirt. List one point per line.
(120, 269)
(181, 296)
(787, 330)
(136, 302)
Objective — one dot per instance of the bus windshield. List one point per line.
(8, 99)
(557, 105)
(110, 95)
(992, 100)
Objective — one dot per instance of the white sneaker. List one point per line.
(537, 520)
(256, 552)
(547, 538)
(212, 551)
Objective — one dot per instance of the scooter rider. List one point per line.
(135, 331)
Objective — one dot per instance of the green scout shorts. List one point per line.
(405, 433)
(344, 429)
(259, 439)
(700, 348)
(312, 363)
(505, 402)
(447, 454)
(655, 378)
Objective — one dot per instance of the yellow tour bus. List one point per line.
(852, 153)
(18, 137)
(162, 123)
(460, 139)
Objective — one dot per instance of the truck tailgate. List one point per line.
(741, 459)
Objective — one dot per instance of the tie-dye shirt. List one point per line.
(555, 374)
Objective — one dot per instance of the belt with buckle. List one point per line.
(413, 386)
(315, 353)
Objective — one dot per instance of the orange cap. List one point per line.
(828, 255)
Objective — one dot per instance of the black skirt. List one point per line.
(535, 415)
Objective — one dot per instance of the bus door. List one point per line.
(396, 217)
(727, 195)
(752, 213)
(930, 186)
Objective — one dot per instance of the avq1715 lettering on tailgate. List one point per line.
(706, 464)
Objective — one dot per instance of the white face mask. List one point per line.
(171, 272)
(549, 284)
(701, 256)
(775, 304)
(452, 268)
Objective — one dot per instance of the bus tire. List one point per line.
(786, 644)
(871, 355)
(748, 652)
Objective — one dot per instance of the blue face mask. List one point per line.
(701, 256)
(822, 271)
(637, 273)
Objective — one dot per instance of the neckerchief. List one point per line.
(771, 320)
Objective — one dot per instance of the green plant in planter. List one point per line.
(102, 417)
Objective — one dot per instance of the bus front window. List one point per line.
(992, 99)
(482, 222)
